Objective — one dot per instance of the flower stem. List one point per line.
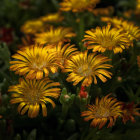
(64, 111)
(81, 28)
(81, 32)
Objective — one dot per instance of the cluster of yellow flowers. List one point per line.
(43, 32)
(129, 30)
(47, 49)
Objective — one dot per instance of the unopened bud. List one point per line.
(119, 79)
(83, 93)
(66, 96)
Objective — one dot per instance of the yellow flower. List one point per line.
(138, 61)
(107, 108)
(129, 110)
(86, 67)
(32, 27)
(33, 62)
(102, 39)
(31, 94)
(103, 11)
(115, 21)
(78, 5)
(54, 17)
(53, 36)
(132, 31)
(63, 53)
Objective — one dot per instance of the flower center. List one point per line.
(107, 43)
(81, 4)
(84, 70)
(53, 38)
(32, 95)
(38, 63)
(102, 112)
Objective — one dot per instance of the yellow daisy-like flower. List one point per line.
(78, 5)
(114, 21)
(132, 31)
(32, 27)
(138, 60)
(54, 17)
(63, 53)
(53, 36)
(102, 39)
(86, 67)
(107, 108)
(31, 94)
(33, 62)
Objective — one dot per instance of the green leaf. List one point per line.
(18, 137)
(73, 137)
(32, 135)
(4, 56)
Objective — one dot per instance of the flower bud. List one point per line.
(119, 79)
(83, 93)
